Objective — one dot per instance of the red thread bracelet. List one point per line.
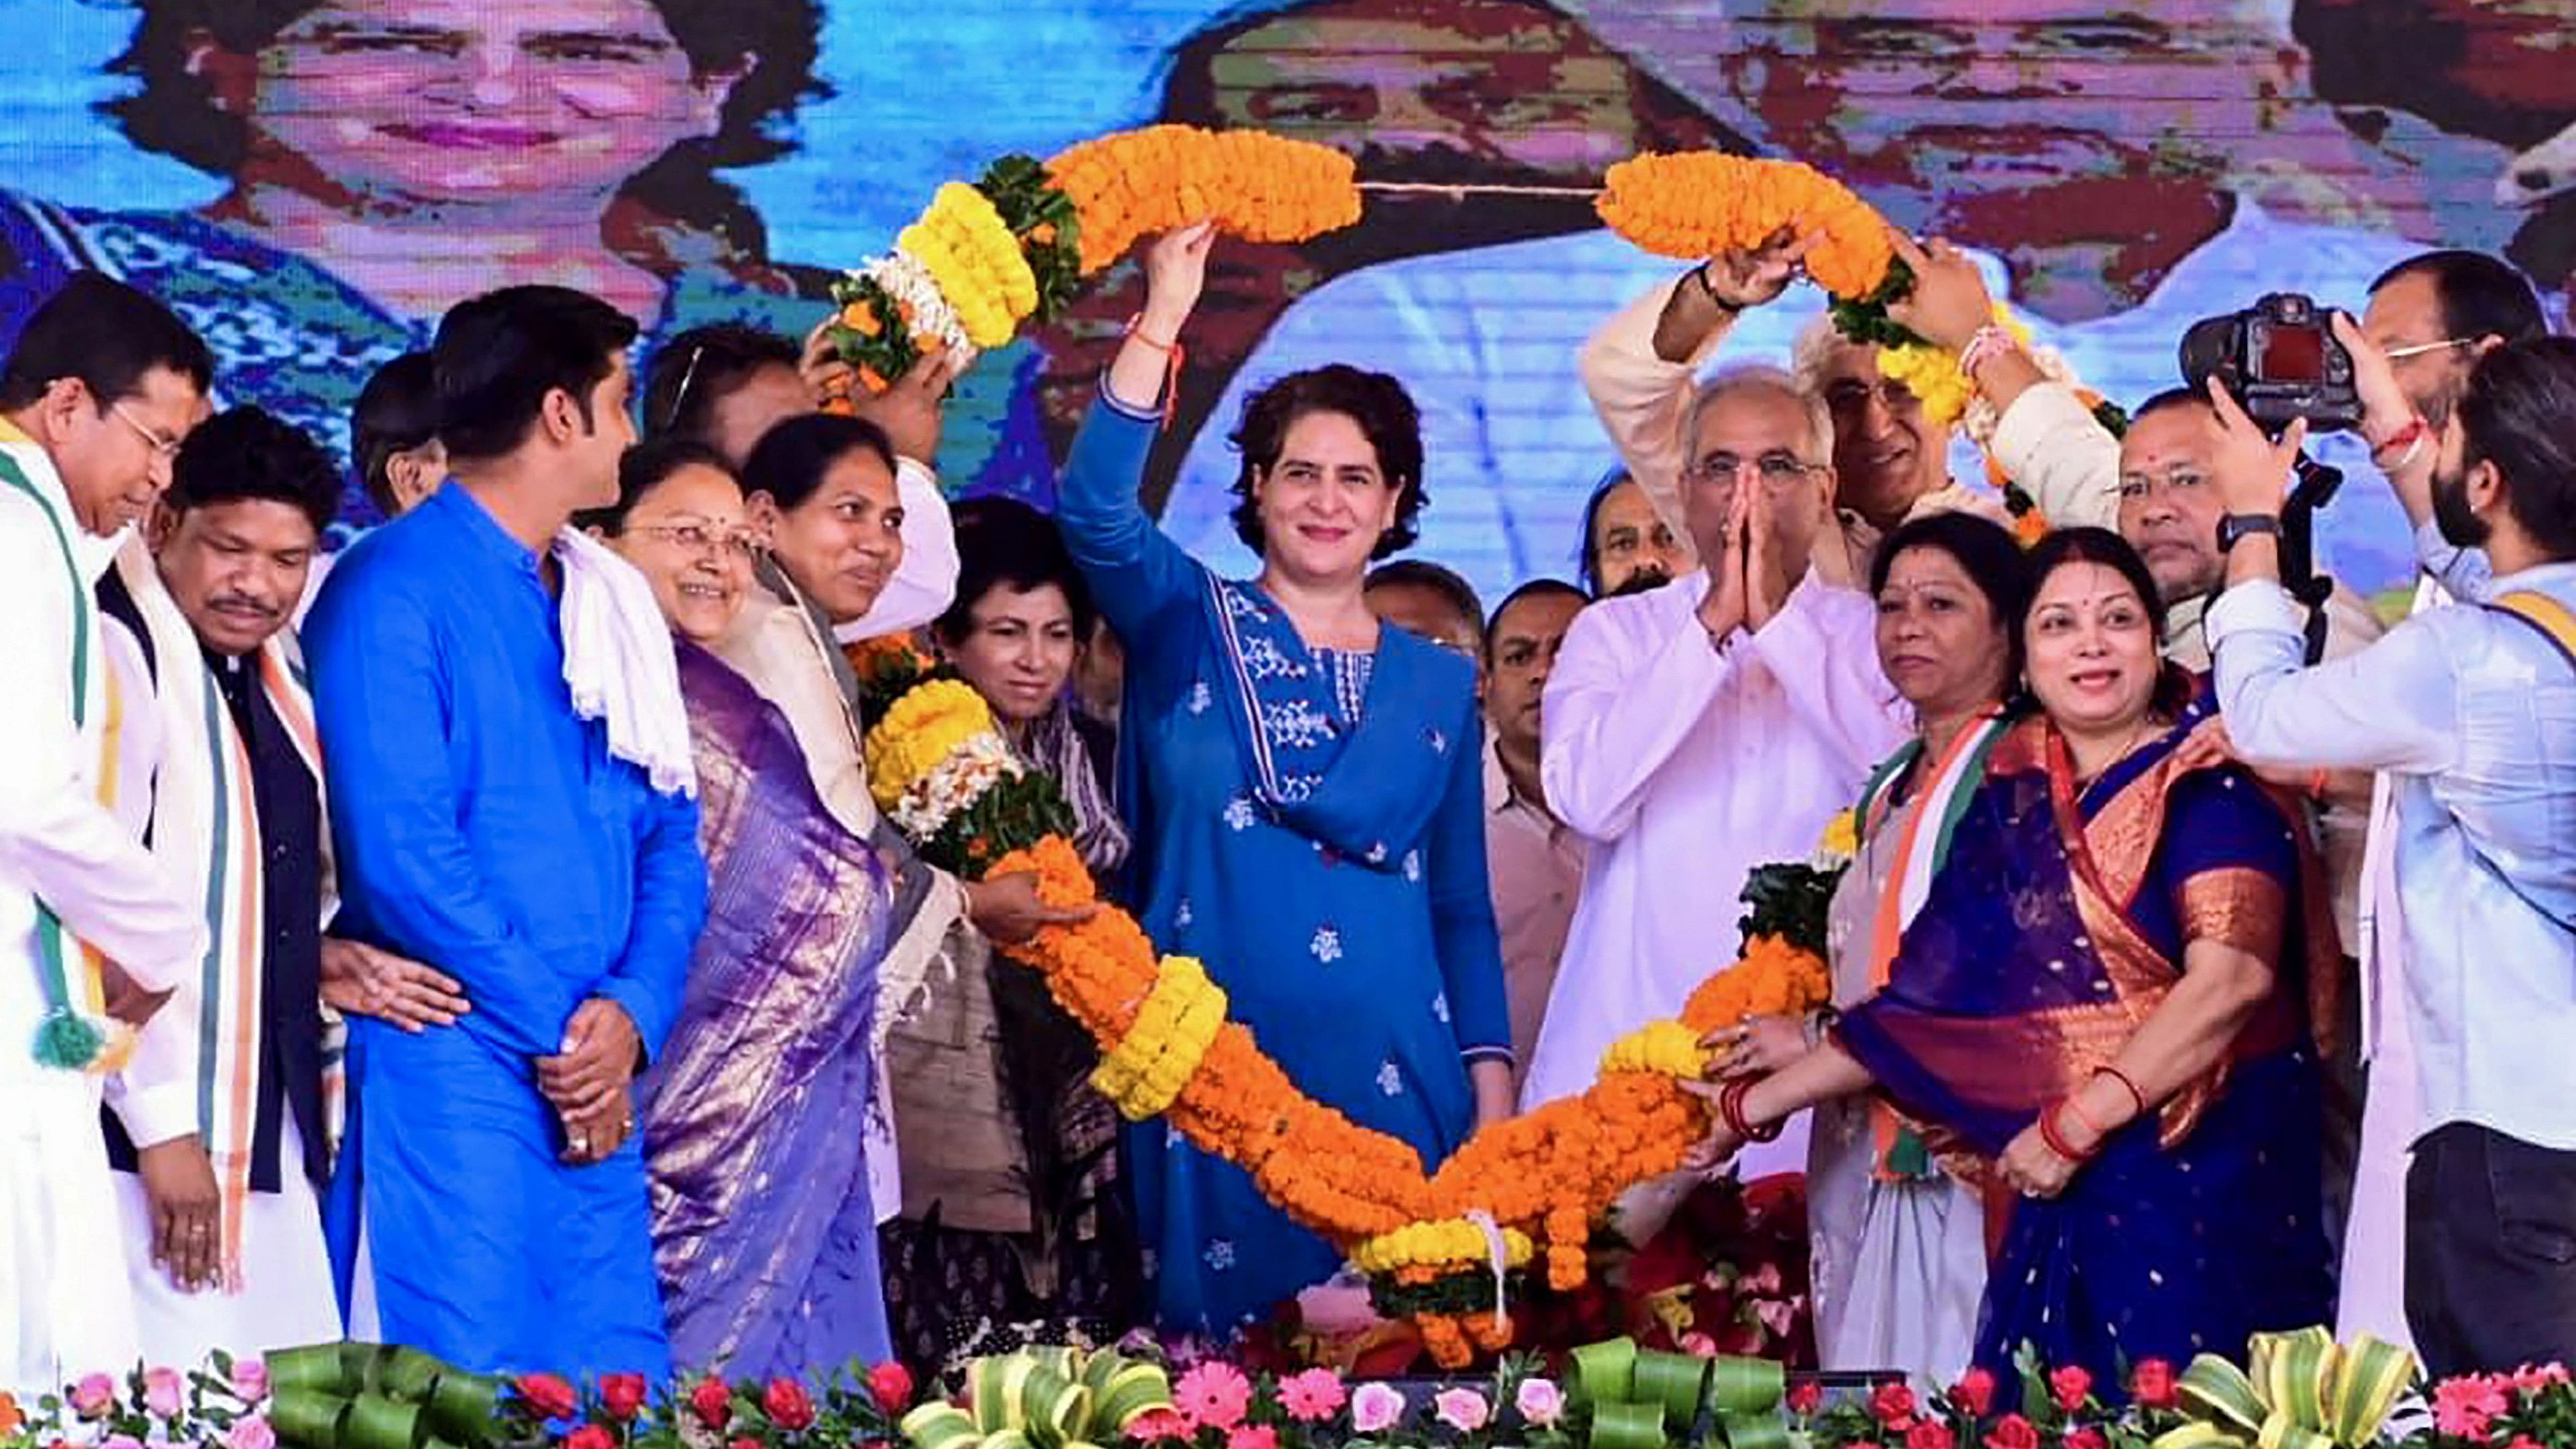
(2056, 1140)
(1172, 350)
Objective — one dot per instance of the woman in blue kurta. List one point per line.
(2102, 1009)
(1303, 789)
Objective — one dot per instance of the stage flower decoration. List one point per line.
(985, 258)
(1442, 1249)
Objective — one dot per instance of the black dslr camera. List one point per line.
(2280, 360)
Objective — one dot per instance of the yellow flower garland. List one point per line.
(1448, 1242)
(1145, 1072)
(1667, 1047)
(920, 730)
(1934, 376)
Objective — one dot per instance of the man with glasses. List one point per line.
(1693, 732)
(101, 387)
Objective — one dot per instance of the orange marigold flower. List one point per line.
(1701, 203)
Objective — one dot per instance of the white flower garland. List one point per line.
(954, 784)
(910, 284)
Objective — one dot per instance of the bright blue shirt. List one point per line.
(484, 829)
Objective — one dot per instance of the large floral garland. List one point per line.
(983, 259)
(1703, 203)
(1440, 1249)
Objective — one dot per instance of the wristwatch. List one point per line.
(2236, 527)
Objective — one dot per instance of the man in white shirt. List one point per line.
(1695, 731)
(100, 389)
(2430, 318)
(2472, 712)
(2085, 147)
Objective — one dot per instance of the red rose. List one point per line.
(744, 1444)
(622, 1395)
(590, 1436)
(2012, 1431)
(1806, 1396)
(2071, 1386)
(2087, 1437)
(789, 1406)
(1892, 1404)
(890, 1384)
(548, 1397)
(1931, 1434)
(2151, 1383)
(713, 1401)
(1974, 1393)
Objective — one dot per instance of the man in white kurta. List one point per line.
(1690, 739)
(101, 386)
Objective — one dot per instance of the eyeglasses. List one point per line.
(1777, 468)
(703, 537)
(2418, 349)
(2186, 481)
(164, 448)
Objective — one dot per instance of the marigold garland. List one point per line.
(1542, 1178)
(983, 259)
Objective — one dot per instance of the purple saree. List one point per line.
(2058, 925)
(762, 1224)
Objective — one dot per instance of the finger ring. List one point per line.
(581, 1144)
(196, 1230)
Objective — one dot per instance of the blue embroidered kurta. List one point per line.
(484, 829)
(1310, 825)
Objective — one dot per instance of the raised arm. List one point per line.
(1640, 368)
(2046, 439)
(54, 834)
(1134, 570)
(380, 696)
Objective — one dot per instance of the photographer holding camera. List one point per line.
(2472, 712)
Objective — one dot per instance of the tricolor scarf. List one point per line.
(206, 828)
(1920, 852)
(75, 1033)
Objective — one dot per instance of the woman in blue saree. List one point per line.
(2101, 1011)
(1303, 789)
(764, 1228)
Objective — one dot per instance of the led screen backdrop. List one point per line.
(311, 183)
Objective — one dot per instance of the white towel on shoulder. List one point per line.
(618, 662)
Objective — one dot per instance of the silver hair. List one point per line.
(1757, 376)
(1817, 342)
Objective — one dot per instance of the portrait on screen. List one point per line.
(310, 184)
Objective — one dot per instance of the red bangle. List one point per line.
(2056, 1140)
(2137, 1098)
(1730, 1108)
(2415, 428)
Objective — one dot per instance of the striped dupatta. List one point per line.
(1920, 850)
(206, 827)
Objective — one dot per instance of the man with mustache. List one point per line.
(1428, 92)
(221, 1133)
(96, 394)
(2471, 710)
(2083, 151)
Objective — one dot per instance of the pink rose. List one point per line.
(93, 1396)
(1892, 1404)
(1540, 1401)
(1464, 1410)
(2532, 1378)
(2071, 1386)
(590, 1436)
(1375, 1408)
(250, 1379)
(788, 1405)
(251, 1431)
(2087, 1437)
(1313, 1396)
(1214, 1395)
(164, 1393)
(1974, 1393)
(1253, 1436)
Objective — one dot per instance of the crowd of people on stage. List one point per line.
(485, 937)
